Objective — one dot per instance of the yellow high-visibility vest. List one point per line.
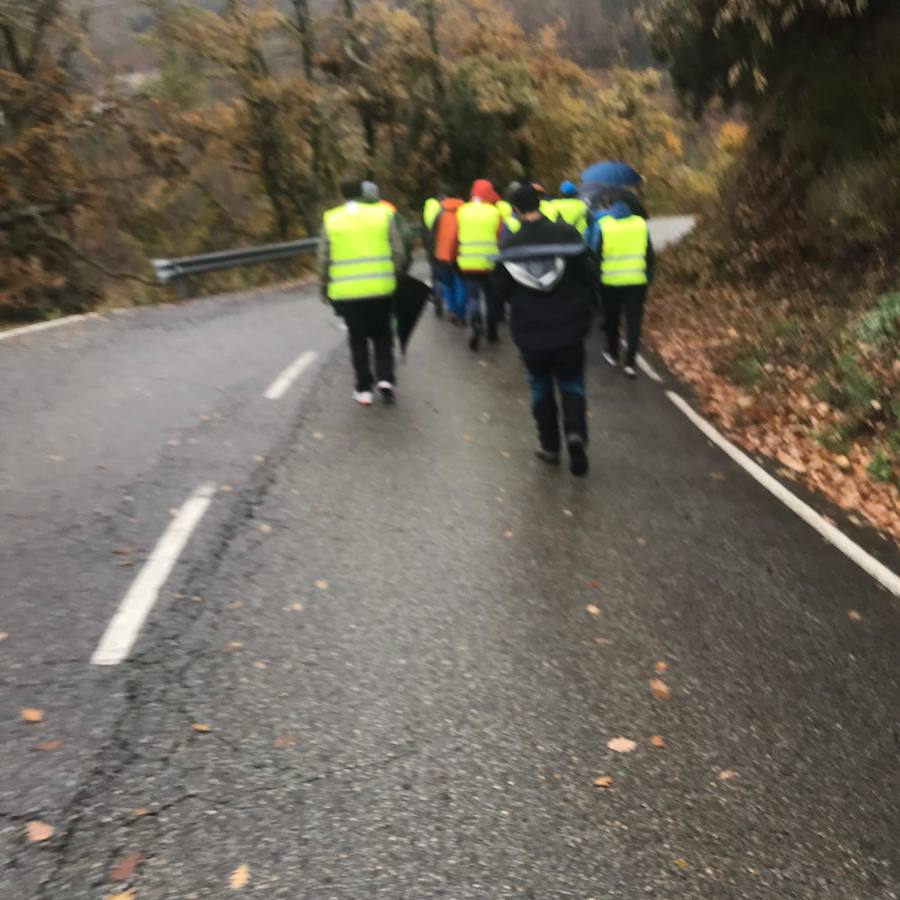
(625, 244)
(479, 226)
(505, 208)
(548, 209)
(431, 211)
(512, 224)
(574, 212)
(361, 260)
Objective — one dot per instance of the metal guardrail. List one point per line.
(176, 270)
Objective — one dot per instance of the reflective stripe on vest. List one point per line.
(479, 224)
(574, 212)
(431, 211)
(361, 263)
(624, 251)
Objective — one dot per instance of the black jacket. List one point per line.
(551, 281)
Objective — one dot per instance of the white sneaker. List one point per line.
(630, 372)
(363, 398)
(610, 358)
(386, 389)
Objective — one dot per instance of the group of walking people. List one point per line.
(547, 265)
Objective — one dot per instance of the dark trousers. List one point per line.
(369, 320)
(478, 286)
(547, 370)
(630, 300)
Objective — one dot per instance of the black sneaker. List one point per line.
(547, 456)
(578, 459)
(493, 336)
(475, 340)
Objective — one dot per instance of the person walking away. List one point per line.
(431, 209)
(626, 257)
(480, 224)
(445, 241)
(361, 252)
(570, 208)
(548, 276)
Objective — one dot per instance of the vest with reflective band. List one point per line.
(512, 224)
(624, 251)
(361, 263)
(574, 212)
(431, 211)
(479, 225)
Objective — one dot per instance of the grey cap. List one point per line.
(369, 191)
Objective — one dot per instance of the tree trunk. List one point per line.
(307, 35)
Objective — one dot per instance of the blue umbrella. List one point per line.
(610, 174)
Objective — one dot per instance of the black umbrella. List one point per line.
(409, 301)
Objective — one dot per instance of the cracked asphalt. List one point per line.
(383, 621)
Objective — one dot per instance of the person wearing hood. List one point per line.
(570, 208)
(445, 244)
(548, 276)
(625, 252)
(479, 225)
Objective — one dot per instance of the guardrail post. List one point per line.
(181, 288)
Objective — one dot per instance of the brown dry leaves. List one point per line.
(37, 832)
(322, 584)
(661, 668)
(49, 746)
(202, 727)
(660, 689)
(854, 615)
(622, 745)
(123, 895)
(32, 716)
(658, 741)
(727, 775)
(283, 741)
(240, 877)
(604, 781)
(593, 609)
(125, 868)
(3, 635)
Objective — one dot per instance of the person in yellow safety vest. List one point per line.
(431, 210)
(361, 252)
(626, 257)
(547, 209)
(480, 223)
(570, 208)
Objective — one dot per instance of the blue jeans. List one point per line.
(451, 290)
(476, 286)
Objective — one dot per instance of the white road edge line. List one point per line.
(647, 369)
(881, 573)
(43, 326)
(126, 624)
(279, 387)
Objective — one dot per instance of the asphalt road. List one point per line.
(383, 619)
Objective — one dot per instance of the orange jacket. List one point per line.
(446, 231)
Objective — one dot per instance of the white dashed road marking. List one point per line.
(126, 624)
(280, 386)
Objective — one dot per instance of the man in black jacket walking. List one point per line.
(549, 278)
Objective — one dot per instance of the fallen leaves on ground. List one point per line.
(657, 741)
(265, 528)
(226, 489)
(726, 775)
(32, 715)
(468, 439)
(140, 812)
(642, 542)
(604, 781)
(508, 535)
(681, 863)
(37, 831)
(593, 609)
(322, 584)
(125, 868)
(602, 641)
(317, 435)
(49, 746)
(660, 689)
(239, 877)
(505, 454)
(661, 668)
(854, 615)
(622, 745)
(231, 646)
(261, 664)
(202, 727)
(123, 895)
(297, 607)
(3, 635)
(238, 604)
(568, 513)
(285, 740)
(717, 476)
